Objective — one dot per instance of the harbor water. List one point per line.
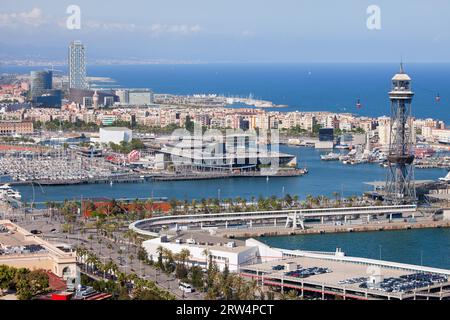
(427, 247)
(324, 178)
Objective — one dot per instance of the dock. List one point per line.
(139, 178)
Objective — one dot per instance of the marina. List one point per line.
(323, 178)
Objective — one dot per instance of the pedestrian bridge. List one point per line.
(293, 218)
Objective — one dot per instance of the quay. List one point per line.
(227, 175)
(138, 178)
(64, 182)
(335, 276)
(322, 229)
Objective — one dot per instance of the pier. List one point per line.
(336, 276)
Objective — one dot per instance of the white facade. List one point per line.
(115, 135)
(77, 66)
(234, 257)
(140, 97)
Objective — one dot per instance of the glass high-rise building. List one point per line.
(41, 81)
(77, 66)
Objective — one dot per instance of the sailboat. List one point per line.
(438, 97)
(446, 178)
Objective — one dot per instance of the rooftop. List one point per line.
(115, 129)
(13, 238)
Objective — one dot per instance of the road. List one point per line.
(106, 249)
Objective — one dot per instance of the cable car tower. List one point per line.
(400, 186)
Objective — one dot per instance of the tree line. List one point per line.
(25, 283)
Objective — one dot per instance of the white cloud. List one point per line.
(154, 29)
(36, 18)
(32, 18)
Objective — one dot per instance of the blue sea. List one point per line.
(303, 87)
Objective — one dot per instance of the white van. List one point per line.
(187, 288)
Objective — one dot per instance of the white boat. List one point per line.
(446, 178)
(6, 186)
(342, 146)
(7, 192)
(14, 195)
(330, 156)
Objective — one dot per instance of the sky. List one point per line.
(281, 31)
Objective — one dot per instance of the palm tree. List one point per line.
(184, 255)
(295, 198)
(309, 200)
(336, 196)
(194, 205)
(185, 206)
(109, 267)
(81, 254)
(160, 251)
(149, 205)
(91, 260)
(205, 252)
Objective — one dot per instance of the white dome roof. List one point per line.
(401, 77)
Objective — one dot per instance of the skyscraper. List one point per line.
(400, 188)
(41, 81)
(77, 66)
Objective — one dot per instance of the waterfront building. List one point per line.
(21, 249)
(85, 97)
(16, 127)
(135, 97)
(140, 97)
(326, 134)
(50, 99)
(223, 252)
(384, 131)
(233, 152)
(123, 96)
(88, 102)
(77, 66)
(115, 135)
(108, 101)
(41, 81)
(436, 135)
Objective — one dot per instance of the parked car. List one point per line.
(186, 287)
